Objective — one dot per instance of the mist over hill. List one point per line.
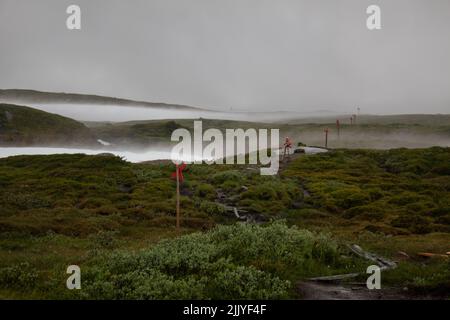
(33, 96)
(83, 107)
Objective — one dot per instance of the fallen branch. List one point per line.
(432, 255)
(236, 213)
(383, 263)
(336, 277)
(233, 209)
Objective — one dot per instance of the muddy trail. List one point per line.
(315, 290)
(339, 287)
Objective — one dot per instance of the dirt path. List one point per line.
(312, 290)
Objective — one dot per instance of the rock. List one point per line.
(125, 188)
(186, 192)
(297, 205)
(403, 254)
(221, 195)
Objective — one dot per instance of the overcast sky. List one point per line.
(245, 54)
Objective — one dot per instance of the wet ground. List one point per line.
(314, 290)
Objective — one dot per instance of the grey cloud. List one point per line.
(245, 54)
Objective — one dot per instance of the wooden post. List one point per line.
(351, 120)
(178, 198)
(326, 138)
(338, 126)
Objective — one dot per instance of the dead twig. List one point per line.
(383, 263)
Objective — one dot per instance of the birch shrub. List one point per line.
(240, 261)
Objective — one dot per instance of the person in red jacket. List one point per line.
(287, 146)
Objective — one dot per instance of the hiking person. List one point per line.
(287, 146)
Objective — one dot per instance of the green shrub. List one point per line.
(369, 212)
(229, 262)
(350, 197)
(229, 175)
(413, 222)
(104, 239)
(205, 191)
(231, 186)
(211, 208)
(21, 276)
(273, 190)
(407, 197)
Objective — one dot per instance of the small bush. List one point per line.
(369, 212)
(229, 262)
(21, 276)
(205, 191)
(350, 197)
(229, 175)
(413, 222)
(211, 208)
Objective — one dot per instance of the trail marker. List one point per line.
(338, 127)
(178, 176)
(326, 137)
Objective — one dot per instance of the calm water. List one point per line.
(128, 155)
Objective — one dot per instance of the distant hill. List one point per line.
(22, 96)
(24, 126)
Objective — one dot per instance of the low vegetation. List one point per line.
(116, 221)
(24, 126)
(398, 191)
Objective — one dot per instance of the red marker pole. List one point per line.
(178, 176)
(338, 126)
(178, 197)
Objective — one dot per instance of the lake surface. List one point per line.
(130, 156)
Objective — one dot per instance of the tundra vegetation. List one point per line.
(116, 220)
(24, 126)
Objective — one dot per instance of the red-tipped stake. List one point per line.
(326, 137)
(338, 127)
(178, 175)
(178, 199)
